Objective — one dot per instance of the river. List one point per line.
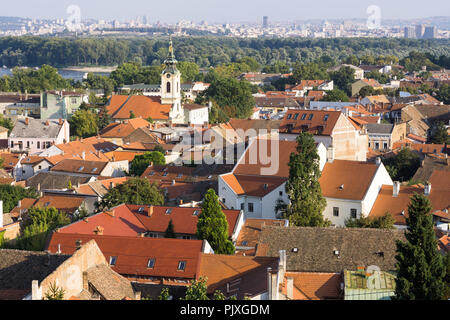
(66, 74)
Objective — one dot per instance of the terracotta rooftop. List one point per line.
(314, 285)
(319, 122)
(141, 106)
(67, 204)
(338, 179)
(80, 166)
(132, 254)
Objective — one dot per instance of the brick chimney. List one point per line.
(27, 122)
(47, 123)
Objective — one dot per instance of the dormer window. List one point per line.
(196, 212)
(182, 265)
(303, 116)
(81, 169)
(289, 116)
(296, 116)
(168, 211)
(310, 116)
(112, 260)
(325, 118)
(151, 263)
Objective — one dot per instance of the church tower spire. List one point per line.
(171, 86)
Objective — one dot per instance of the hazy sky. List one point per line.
(225, 10)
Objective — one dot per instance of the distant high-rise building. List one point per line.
(410, 32)
(430, 32)
(420, 29)
(265, 22)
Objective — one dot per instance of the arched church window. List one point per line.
(168, 87)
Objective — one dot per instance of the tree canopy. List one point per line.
(142, 161)
(212, 225)
(10, 195)
(133, 191)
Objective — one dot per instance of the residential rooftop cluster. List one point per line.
(129, 250)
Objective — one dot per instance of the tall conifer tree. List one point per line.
(420, 267)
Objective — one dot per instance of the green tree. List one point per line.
(133, 191)
(420, 267)
(443, 94)
(39, 224)
(83, 123)
(309, 71)
(54, 292)
(440, 135)
(303, 188)
(212, 225)
(230, 94)
(197, 290)
(402, 166)
(447, 276)
(104, 119)
(189, 71)
(336, 95)
(10, 195)
(6, 123)
(164, 295)
(384, 222)
(170, 231)
(343, 79)
(142, 161)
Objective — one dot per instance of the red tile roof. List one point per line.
(312, 121)
(141, 106)
(314, 285)
(342, 173)
(133, 253)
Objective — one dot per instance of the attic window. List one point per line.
(151, 263)
(165, 174)
(325, 118)
(141, 209)
(95, 169)
(196, 212)
(295, 250)
(46, 204)
(289, 116)
(310, 116)
(296, 116)
(181, 265)
(244, 243)
(81, 169)
(341, 187)
(112, 260)
(168, 211)
(179, 175)
(303, 116)
(151, 173)
(265, 186)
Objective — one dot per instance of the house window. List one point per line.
(310, 116)
(151, 263)
(353, 213)
(336, 211)
(385, 145)
(303, 116)
(377, 145)
(181, 265)
(168, 87)
(242, 206)
(40, 167)
(28, 144)
(281, 193)
(38, 144)
(250, 207)
(296, 116)
(289, 116)
(112, 261)
(223, 200)
(325, 118)
(186, 237)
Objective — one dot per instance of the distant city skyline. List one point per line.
(231, 11)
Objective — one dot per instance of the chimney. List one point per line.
(378, 161)
(290, 288)
(427, 189)
(59, 249)
(282, 264)
(111, 213)
(396, 189)
(47, 123)
(111, 185)
(27, 121)
(150, 211)
(99, 230)
(173, 182)
(83, 155)
(26, 94)
(330, 154)
(36, 292)
(1, 214)
(85, 281)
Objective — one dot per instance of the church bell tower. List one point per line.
(171, 86)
